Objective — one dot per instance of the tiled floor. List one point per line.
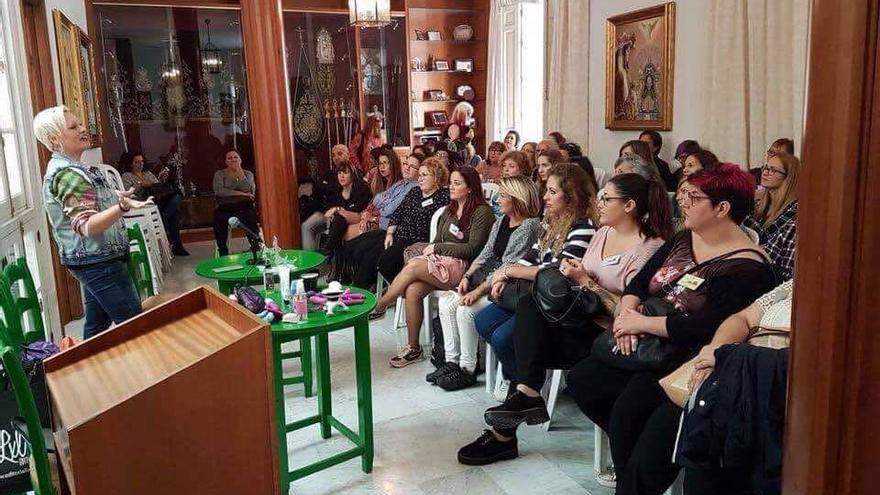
(419, 427)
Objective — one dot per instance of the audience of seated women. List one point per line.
(701, 159)
(557, 137)
(544, 163)
(411, 221)
(634, 164)
(700, 277)
(365, 241)
(634, 214)
(512, 235)
(462, 232)
(775, 215)
(234, 191)
(781, 145)
(642, 150)
(570, 218)
(167, 198)
(529, 149)
(344, 207)
(547, 144)
(363, 143)
(682, 151)
(490, 168)
(511, 140)
(655, 141)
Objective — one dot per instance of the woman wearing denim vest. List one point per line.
(86, 217)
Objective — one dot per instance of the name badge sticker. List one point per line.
(690, 281)
(454, 230)
(611, 260)
(427, 202)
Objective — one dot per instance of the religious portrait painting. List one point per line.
(639, 62)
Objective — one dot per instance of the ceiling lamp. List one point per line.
(211, 60)
(170, 69)
(369, 13)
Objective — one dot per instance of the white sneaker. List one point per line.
(608, 479)
(501, 388)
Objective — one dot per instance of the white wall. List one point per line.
(75, 10)
(687, 98)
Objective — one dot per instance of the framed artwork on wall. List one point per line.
(76, 60)
(639, 63)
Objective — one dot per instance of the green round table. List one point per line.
(301, 261)
(319, 325)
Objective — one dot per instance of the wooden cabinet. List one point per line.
(176, 400)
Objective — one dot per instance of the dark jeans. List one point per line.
(717, 481)
(541, 345)
(390, 261)
(109, 293)
(640, 421)
(362, 254)
(246, 212)
(495, 325)
(168, 210)
(335, 233)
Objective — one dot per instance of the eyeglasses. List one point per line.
(688, 198)
(604, 199)
(768, 168)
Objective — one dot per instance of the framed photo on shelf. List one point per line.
(434, 36)
(440, 64)
(436, 119)
(421, 35)
(434, 94)
(464, 65)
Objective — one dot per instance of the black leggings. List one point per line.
(540, 345)
(362, 254)
(640, 421)
(247, 213)
(390, 261)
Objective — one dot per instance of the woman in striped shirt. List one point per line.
(570, 217)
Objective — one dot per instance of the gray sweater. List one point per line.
(520, 241)
(225, 187)
(467, 244)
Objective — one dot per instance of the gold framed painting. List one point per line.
(639, 66)
(76, 60)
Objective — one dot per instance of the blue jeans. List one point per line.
(495, 325)
(109, 293)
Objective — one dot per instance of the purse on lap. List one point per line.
(561, 301)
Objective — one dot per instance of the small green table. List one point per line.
(320, 325)
(301, 261)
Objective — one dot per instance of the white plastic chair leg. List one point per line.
(491, 369)
(601, 450)
(677, 487)
(425, 335)
(552, 394)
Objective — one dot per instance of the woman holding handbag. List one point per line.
(635, 219)
(570, 216)
(669, 310)
(462, 231)
(511, 236)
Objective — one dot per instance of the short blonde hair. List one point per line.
(523, 194)
(50, 123)
(438, 169)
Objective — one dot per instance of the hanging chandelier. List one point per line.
(170, 69)
(211, 60)
(369, 13)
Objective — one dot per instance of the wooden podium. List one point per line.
(178, 400)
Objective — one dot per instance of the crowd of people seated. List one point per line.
(665, 268)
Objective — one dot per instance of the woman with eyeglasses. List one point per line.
(775, 215)
(701, 276)
(634, 214)
(365, 240)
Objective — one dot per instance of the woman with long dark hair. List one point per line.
(135, 175)
(463, 230)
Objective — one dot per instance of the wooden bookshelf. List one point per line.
(444, 16)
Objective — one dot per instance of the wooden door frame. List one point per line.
(41, 79)
(832, 433)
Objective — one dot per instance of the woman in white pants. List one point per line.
(512, 235)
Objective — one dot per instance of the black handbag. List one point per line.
(561, 301)
(514, 290)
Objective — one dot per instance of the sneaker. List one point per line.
(487, 449)
(608, 479)
(502, 387)
(407, 356)
(458, 379)
(518, 408)
(440, 372)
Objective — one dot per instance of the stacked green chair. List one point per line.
(138, 264)
(26, 304)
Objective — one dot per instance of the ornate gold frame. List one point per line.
(667, 12)
(79, 83)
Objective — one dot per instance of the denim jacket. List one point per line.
(76, 249)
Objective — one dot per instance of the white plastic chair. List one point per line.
(550, 391)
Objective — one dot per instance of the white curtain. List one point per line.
(568, 59)
(494, 93)
(755, 76)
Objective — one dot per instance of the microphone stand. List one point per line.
(255, 249)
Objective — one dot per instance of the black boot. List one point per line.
(488, 449)
(518, 408)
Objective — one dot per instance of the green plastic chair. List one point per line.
(27, 409)
(11, 334)
(28, 303)
(138, 264)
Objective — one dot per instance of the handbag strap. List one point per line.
(720, 257)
